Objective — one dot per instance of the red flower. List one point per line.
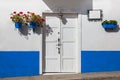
(14, 12)
(11, 17)
(32, 13)
(20, 12)
(42, 19)
(25, 15)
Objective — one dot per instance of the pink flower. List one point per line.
(28, 12)
(11, 17)
(14, 12)
(38, 15)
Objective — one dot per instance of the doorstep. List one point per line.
(85, 76)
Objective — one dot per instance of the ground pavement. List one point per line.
(85, 76)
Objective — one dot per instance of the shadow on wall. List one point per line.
(25, 30)
(113, 30)
(79, 6)
(48, 30)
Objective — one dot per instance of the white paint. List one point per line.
(94, 14)
(69, 43)
(10, 38)
(16, 41)
(61, 42)
(52, 57)
(94, 37)
(79, 42)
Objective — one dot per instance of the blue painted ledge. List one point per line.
(19, 63)
(100, 61)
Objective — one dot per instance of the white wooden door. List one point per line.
(61, 47)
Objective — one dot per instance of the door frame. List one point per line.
(79, 42)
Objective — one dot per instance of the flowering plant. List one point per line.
(32, 17)
(17, 17)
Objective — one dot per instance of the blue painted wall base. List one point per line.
(100, 61)
(19, 63)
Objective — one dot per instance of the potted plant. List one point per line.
(17, 18)
(111, 24)
(34, 20)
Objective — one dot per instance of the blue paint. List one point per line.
(33, 25)
(109, 26)
(100, 61)
(19, 63)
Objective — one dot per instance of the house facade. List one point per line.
(68, 43)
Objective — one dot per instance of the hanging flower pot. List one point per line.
(18, 19)
(33, 25)
(112, 24)
(109, 26)
(18, 24)
(34, 20)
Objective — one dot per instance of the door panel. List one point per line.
(68, 50)
(68, 34)
(52, 21)
(52, 65)
(68, 65)
(51, 50)
(52, 58)
(68, 42)
(52, 35)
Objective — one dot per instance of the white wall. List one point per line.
(79, 6)
(94, 37)
(10, 38)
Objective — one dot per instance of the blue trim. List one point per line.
(19, 63)
(100, 61)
